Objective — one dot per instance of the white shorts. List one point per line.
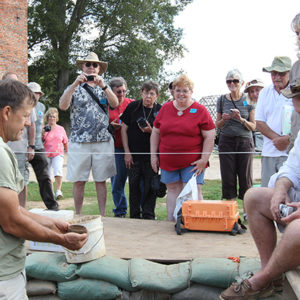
(55, 165)
(14, 288)
(84, 157)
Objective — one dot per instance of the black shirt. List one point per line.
(139, 141)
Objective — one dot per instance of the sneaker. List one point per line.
(59, 194)
(242, 290)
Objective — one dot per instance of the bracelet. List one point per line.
(104, 88)
(32, 147)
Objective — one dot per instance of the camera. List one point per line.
(47, 128)
(142, 122)
(90, 77)
(285, 210)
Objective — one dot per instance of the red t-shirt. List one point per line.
(115, 115)
(181, 134)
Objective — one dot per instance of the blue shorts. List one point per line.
(183, 175)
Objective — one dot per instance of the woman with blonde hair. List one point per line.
(185, 131)
(55, 142)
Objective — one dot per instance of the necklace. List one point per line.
(180, 110)
(145, 113)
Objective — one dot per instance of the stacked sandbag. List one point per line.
(135, 279)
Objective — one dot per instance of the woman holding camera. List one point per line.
(185, 131)
(235, 119)
(138, 119)
(55, 141)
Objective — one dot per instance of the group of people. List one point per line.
(116, 137)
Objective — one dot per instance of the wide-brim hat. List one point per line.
(253, 82)
(279, 64)
(92, 57)
(293, 88)
(35, 88)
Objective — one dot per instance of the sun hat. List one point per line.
(35, 88)
(253, 82)
(279, 64)
(293, 88)
(92, 57)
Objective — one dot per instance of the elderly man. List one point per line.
(39, 162)
(269, 114)
(262, 205)
(91, 145)
(16, 223)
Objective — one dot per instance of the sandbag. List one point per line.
(107, 268)
(152, 276)
(35, 287)
(47, 297)
(87, 289)
(144, 295)
(249, 264)
(49, 266)
(198, 292)
(217, 272)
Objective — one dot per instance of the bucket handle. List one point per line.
(85, 252)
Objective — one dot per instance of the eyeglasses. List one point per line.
(151, 94)
(88, 64)
(281, 74)
(121, 92)
(177, 91)
(235, 81)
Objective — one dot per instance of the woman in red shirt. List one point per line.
(185, 131)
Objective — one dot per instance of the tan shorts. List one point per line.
(14, 288)
(84, 157)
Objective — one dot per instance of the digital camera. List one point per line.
(285, 210)
(90, 77)
(47, 128)
(142, 122)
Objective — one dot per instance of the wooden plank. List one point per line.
(157, 240)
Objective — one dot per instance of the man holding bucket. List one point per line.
(16, 223)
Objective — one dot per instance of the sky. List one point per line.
(221, 35)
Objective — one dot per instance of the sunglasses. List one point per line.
(88, 64)
(252, 82)
(295, 89)
(235, 81)
(281, 74)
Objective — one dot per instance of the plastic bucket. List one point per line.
(94, 247)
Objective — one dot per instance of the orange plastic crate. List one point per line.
(210, 215)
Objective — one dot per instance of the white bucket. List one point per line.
(94, 247)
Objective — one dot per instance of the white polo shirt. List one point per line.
(269, 109)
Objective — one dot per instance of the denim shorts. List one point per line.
(184, 175)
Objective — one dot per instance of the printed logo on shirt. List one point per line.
(103, 101)
(193, 110)
(245, 103)
(40, 113)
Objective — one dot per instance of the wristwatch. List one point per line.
(32, 147)
(104, 88)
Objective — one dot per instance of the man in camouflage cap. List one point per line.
(269, 117)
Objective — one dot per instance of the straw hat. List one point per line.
(294, 87)
(92, 57)
(254, 82)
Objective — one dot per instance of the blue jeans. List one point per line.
(118, 184)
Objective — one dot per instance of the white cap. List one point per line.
(35, 87)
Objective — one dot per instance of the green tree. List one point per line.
(137, 38)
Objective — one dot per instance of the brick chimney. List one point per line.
(13, 38)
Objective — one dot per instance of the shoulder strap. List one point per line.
(94, 97)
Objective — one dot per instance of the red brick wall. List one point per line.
(13, 38)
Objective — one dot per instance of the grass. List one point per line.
(212, 190)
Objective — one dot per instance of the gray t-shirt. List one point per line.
(233, 127)
(12, 249)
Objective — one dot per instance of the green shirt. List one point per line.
(12, 249)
